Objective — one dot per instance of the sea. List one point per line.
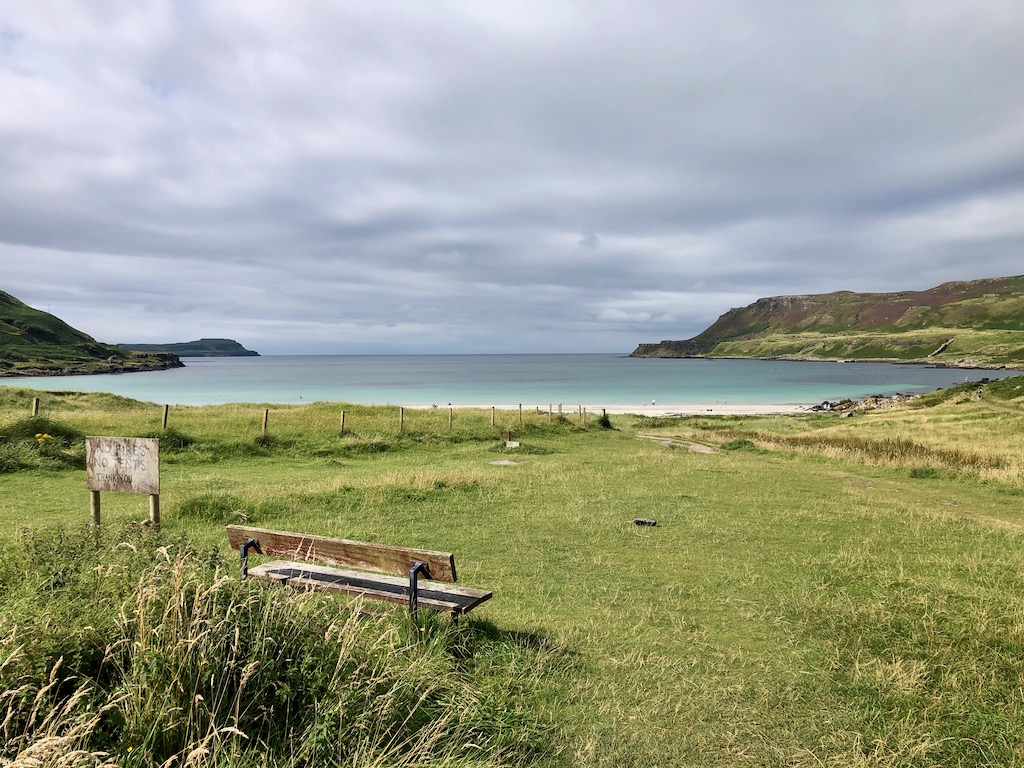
(592, 380)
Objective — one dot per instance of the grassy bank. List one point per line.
(817, 591)
(950, 346)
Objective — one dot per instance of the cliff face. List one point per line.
(977, 321)
(35, 343)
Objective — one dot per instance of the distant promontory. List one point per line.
(35, 343)
(977, 323)
(198, 348)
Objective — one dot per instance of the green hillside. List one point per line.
(35, 343)
(198, 348)
(974, 323)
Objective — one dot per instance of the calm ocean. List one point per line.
(593, 380)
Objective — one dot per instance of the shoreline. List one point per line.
(966, 365)
(656, 410)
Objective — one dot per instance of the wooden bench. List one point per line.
(313, 563)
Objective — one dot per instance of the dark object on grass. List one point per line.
(644, 521)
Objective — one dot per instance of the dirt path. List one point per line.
(671, 442)
(1000, 405)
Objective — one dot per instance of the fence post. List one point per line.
(35, 406)
(520, 413)
(583, 415)
(401, 418)
(343, 422)
(451, 413)
(94, 508)
(266, 418)
(492, 415)
(166, 409)
(154, 510)
(549, 413)
(559, 409)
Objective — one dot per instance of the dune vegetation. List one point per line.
(818, 590)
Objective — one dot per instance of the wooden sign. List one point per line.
(123, 464)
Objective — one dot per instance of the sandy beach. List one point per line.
(657, 409)
(689, 409)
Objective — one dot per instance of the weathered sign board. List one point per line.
(123, 465)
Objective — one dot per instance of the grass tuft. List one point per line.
(217, 508)
(38, 442)
(147, 651)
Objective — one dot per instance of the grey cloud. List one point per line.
(480, 177)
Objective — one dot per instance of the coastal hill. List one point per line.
(199, 348)
(35, 343)
(977, 323)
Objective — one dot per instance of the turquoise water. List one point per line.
(593, 380)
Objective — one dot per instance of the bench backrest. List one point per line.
(342, 552)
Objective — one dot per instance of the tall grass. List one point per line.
(145, 652)
(951, 433)
(896, 451)
(198, 435)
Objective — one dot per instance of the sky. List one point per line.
(476, 177)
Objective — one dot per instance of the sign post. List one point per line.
(123, 465)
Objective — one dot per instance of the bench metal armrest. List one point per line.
(414, 573)
(243, 552)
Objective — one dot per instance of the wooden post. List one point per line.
(492, 415)
(583, 415)
(166, 409)
(559, 409)
(401, 418)
(266, 418)
(343, 422)
(549, 413)
(154, 509)
(35, 406)
(520, 413)
(94, 508)
(451, 413)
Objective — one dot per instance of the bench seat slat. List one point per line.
(346, 553)
(439, 596)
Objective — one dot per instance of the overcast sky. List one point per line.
(397, 177)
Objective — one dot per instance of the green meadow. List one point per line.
(818, 590)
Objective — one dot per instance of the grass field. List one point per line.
(817, 590)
